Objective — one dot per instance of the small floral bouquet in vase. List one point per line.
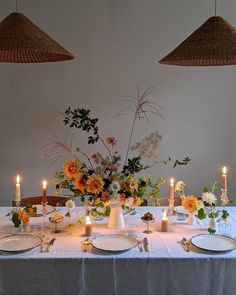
(22, 216)
(209, 209)
(95, 177)
(192, 204)
(180, 188)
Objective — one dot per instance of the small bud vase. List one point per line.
(26, 227)
(116, 219)
(191, 218)
(213, 224)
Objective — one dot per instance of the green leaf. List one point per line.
(225, 214)
(201, 214)
(15, 219)
(211, 231)
(205, 190)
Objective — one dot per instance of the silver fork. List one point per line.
(185, 244)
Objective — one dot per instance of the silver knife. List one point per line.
(50, 244)
(145, 244)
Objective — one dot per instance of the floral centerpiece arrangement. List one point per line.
(96, 175)
(209, 209)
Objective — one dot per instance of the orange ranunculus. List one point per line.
(23, 216)
(81, 183)
(72, 168)
(191, 203)
(95, 184)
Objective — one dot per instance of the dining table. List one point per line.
(165, 269)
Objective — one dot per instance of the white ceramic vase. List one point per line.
(116, 219)
(213, 224)
(191, 218)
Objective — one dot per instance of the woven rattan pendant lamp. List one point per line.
(23, 42)
(212, 44)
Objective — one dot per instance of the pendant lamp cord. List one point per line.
(16, 6)
(215, 6)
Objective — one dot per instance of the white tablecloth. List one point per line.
(167, 269)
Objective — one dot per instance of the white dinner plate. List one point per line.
(216, 243)
(19, 243)
(49, 209)
(114, 243)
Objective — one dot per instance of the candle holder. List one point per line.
(44, 206)
(171, 207)
(17, 204)
(224, 197)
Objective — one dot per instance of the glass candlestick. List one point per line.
(224, 197)
(171, 206)
(44, 207)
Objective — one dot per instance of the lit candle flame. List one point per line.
(164, 215)
(88, 220)
(18, 179)
(172, 181)
(44, 184)
(224, 170)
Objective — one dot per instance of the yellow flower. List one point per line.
(191, 203)
(95, 184)
(72, 168)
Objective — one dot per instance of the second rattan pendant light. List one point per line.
(212, 44)
(21, 41)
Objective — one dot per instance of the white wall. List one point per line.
(117, 44)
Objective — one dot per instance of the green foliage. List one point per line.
(133, 166)
(201, 214)
(79, 118)
(214, 214)
(211, 231)
(205, 190)
(15, 219)
(183, 162)
(225, 214)
(59, 175)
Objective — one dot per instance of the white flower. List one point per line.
(209, 198)
(70, 205)
(179, 187)
(115, 187)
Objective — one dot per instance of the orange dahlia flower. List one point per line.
(71, 168)
(81, 183)
(95, 184)
(191, 203)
